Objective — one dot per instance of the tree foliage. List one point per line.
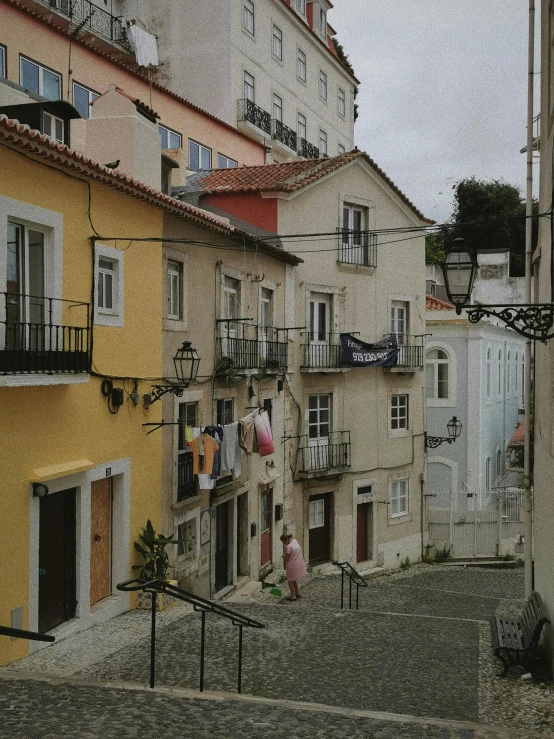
(343, 56)
(435, 249)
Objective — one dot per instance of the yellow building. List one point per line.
(80, 344)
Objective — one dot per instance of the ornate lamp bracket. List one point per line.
(534, 321)
(432, 442)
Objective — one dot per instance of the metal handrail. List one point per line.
(199, 604)
(354, 577)
(22, 634)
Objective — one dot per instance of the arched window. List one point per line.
(437, 374)
(489, 389)
(498, 463)
(499, 375)
(508, 365)
(488, 474)
(516, 378)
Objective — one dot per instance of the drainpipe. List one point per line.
(528, 513)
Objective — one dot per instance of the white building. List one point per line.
(268, 67)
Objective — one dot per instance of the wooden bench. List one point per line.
(515, 641)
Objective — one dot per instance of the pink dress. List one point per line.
(294, 565)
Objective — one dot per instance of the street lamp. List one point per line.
(186, 362)
(534, 321)
(454, 428)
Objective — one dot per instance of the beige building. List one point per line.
(543, 510)
(354, 444)
(268, 67)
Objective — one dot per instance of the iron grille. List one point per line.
(186, 483)
(307, 150)
(85, 14)
(323, 353)
(252, 347)
(410, 351)
(284, 134)
(249, 111)
(357, 247)
(325, 453)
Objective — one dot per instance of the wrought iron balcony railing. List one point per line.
(44, 335)
(324, 454)
(410, 351)
(357, 247)
(284, 134)
(252, 347)
(186, 482)
(307, 150)
(87, 15)
(249, 111)
(323, 351)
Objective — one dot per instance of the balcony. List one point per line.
(357, 248)
(322, 354)
(41, 335)
(186, 482)
(410, 353)
(307, 150)
(284, 134)
(324, 455)
(250, 113)
(84, 15)
(247, 347)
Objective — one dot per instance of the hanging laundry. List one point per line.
(216, 470)
(246, 434)
(144, 45)
(263, 434)
(205, 481)
(230, 449)
(202, 464)
(189, 434)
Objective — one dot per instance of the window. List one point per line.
(248, 86)
(316, 513)
(499, 374)
(248, 16)
(224, 162)
(3, 72)
(399, 320)
(301, 7)
(498, 463)
(341, 103)
(432, 289)
(266, 309)
(322, 85)
(437, 367)
(489, 370)
(342, 150)
(277, 108)
(109, 286)
(225, 411)
(398, 498)
(277, 47)
(188, 416)
(364, 490)
(301, 127)
(354, 239)
(301, 66)
(322, 142)
(516, 372)
(82, 98)
(200, 157)
(39, 79)
(25, 281)
(508, 372)
(231, 291)
(488, 474)
(323, 23)
(53, 126)
(170, 139)
(267, 404)
(399, 412)
(186, 482)
(174, 289)
(320, 310)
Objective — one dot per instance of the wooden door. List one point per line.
(266, 521)
(100, 539)
(320, 528)
(222, 546)
(362, 532)
(57, 541)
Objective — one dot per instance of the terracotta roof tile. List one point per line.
(432, 303)
(518, 437)
(290, 177)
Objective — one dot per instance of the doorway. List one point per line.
(319, 518)
(364, 544)
(57, 599)
(100, 540)
(221, 546)
(266, 526)
(242, 534)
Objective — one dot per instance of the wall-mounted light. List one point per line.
(186, 362)
(40, 490)
(454, 428)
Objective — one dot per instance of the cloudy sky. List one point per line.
(443, 92)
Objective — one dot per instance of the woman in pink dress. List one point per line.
(295, 566)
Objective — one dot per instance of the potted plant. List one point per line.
(152, 548)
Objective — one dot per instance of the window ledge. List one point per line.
(37, 380)
(349, 267)
(182, 504)
(400, 518)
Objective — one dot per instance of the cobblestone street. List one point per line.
(414, 661)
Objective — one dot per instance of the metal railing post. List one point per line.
(240, 660)
(153, 640)
(202, 646)
(341, 589)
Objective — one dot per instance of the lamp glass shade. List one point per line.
(454, 428)
(459, 272)
(186, 363)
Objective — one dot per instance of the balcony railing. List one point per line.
(44, 335)
(357, 247)
(85, 14)
(307, 150)
(252, 347)
(284, 134)
(324, 454)
(410, 351)
(186, 482)
(322, 353)
(252, 113)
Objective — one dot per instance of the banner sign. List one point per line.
(356, 353)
